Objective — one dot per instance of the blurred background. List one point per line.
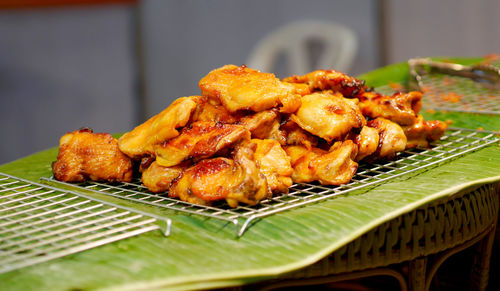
(110, 65)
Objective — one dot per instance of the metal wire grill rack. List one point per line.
(452, 93)
(456, 93)
(39, 223)
(454, 143)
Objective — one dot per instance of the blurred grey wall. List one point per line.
(441, 28)
(184, 40)
(62, 69)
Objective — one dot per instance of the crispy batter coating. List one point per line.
(261, 123)
(265, 125)
(237, 180)
(333, 167)
(251, 135)
(274, 163)
(329, 116)
(329, 80)
(277, 133)
(86, 155)
(203, 182)
(242, 88)
(208, 110)
(158, 179)
(159, 128)
(401, 108)
(422, 132)
(297, 136)
(392, 138)
(367, 141)
(199, 140)
(301, 88)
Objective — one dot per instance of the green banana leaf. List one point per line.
(398, 73)
(204, 253)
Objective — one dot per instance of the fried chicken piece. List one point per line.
(401, 108)
(333, 167)
(277, 133)
(423, 132)
(86, 155)
(145, 163)
(212, 110)
(242, 88)
(158, 179)
(329, 80)
(159, 128)
(329, 116)
(204, 182)
(274, 163)
(297, 136)
(199, 140)
(261, 123)
(392, 138)
(236, 181)
(264, 125)
(301, 88)
(367, 141)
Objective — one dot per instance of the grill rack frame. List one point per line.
(446, 87)
(39, 223)
(456, 142)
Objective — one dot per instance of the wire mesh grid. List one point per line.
(455, 93)
(454, 143)
(39, 223)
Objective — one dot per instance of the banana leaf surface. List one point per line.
(204, 253)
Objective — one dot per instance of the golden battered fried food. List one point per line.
(422, 133)
(274, 163)
(199, 140)
(302, 89)
(237, 180)
(392, 138)
(265, 125)
(86, 155)
(251, 135)
(260, 124)
(367, 141)
(329, 80)
(329, 116)
(203, 182)
(401, 108)
(242, 88)
(208, 110)
(333, 167)
(145, 163)
(159, 128)
(158, 179)
(297, 136)
(277, 133)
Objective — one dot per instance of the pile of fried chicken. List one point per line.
(250, 135)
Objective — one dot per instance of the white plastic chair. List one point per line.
(291, 40)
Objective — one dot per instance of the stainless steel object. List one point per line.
(454, 87)
(40, 223)
(454, 143)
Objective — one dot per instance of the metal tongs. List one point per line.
(484, 74)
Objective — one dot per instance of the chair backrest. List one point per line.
(292, 41)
